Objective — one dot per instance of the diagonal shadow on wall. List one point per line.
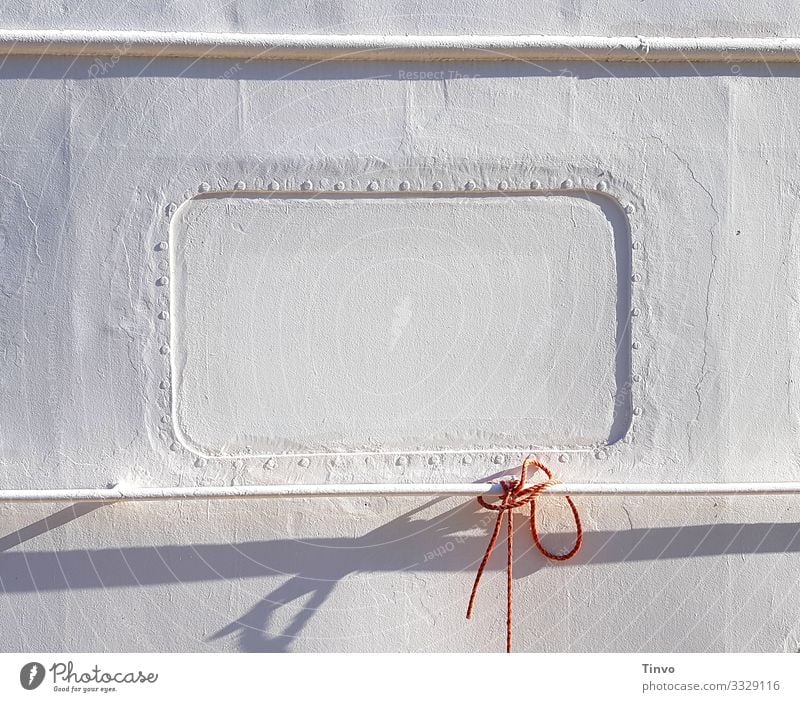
(449, 542)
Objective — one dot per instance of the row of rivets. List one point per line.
(434, 460)
(630, 209)
(163, 281)
(372, 186)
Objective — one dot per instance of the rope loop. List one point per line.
(515, 495)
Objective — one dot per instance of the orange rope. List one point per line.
(515, 494)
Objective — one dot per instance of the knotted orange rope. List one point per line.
(515, 494)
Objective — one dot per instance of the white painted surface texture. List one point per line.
(221, 273)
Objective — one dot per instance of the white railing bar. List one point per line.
(122, 493)
(314, 47)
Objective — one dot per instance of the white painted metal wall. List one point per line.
(653, 204)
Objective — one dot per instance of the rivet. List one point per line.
(434, 460)
(405, 185)
(637, 378)
(372, 186)
(499, 458)
(437, 185)
(239, 185)
(164, 350)
(306, 185)
(165, 419)
(636, 345)
(339, 185)
(304, 463)
(601, 455)
(204, 187)
(602, 186)
(162, 281)
(637, 411)
(200, 462)
(164, 385)
(536, 185)
(269, 464)
(161, 246)
(163, 315)
(467, 460)
(635, 311)
(502, 185)
(469, 185)
(636, 277)
(169, 210)
(636, 245)
(175, 446)
(630, 209)
(563, 458)
(401, 461)
(163, 265)
(567, 184)
(274, 185)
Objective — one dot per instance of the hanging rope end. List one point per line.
(516, 494)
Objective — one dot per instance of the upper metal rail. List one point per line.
(364, 47)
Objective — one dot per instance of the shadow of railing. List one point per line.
(449, 542)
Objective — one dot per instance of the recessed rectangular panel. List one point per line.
(307, 324)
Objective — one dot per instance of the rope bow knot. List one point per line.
(515, 495)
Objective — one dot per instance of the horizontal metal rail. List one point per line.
(363, 47)
(121, 493)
